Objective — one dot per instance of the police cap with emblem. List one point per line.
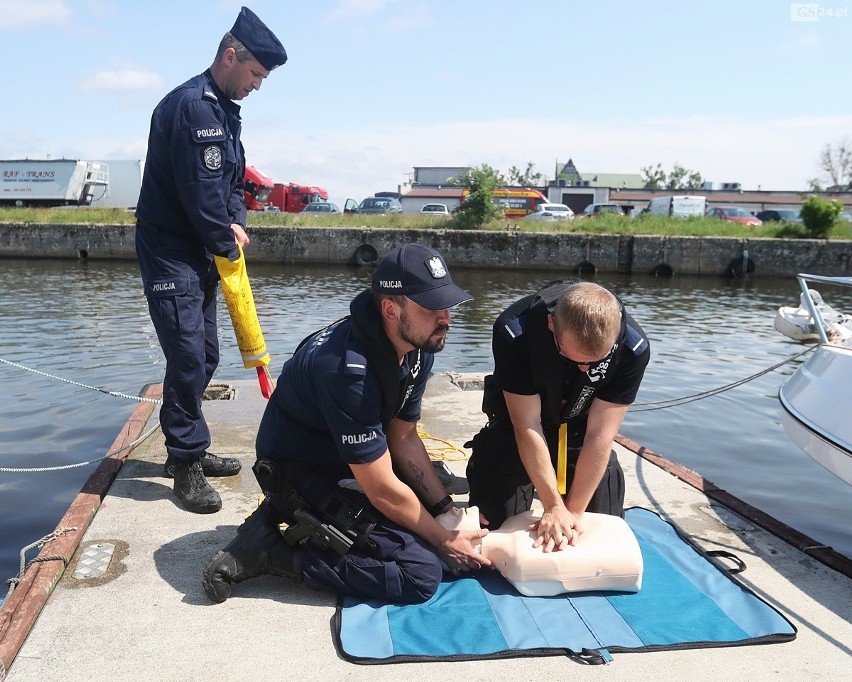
(259, 40)
(420, 273)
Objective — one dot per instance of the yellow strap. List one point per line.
(562, 458)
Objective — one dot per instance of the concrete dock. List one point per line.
(147, 617)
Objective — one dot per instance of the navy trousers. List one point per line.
(401, 568)
(180, 282)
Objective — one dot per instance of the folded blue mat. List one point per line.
(686, 601)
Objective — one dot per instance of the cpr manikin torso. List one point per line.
(606, 557)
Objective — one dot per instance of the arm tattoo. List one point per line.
(416, 475)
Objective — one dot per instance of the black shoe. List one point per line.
(258, 549)
(191, 487)
(454, 485)
(211, 465)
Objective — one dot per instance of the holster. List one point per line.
(338, 523)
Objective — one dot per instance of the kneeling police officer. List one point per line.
(338, 454)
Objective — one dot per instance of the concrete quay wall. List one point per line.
(567, 252)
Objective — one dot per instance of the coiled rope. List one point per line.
(446, 450)
(674, 402)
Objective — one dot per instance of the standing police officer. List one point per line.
(568, 361)
(191, 208)
(339, 457)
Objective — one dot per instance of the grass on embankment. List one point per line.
(607, 224)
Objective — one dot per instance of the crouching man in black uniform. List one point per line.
(568, 362)
(339, 457)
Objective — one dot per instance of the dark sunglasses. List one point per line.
(594, 363)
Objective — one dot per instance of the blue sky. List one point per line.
(740, 91)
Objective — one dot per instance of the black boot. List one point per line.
(191, 487)
(454, 485)
(211, 465)
(258, 549)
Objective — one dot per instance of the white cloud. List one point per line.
(121, 79)
(19, 13)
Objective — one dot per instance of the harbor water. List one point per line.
(87, 323)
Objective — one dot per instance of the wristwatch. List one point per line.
(440, 507)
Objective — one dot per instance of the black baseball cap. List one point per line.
(259, 40)
(420, 273)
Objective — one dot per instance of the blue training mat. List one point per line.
(686, 601)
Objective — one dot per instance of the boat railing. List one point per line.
(819, 322)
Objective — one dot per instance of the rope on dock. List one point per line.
(114, 394)
(447, 451)
(13, 582)
(674, 402)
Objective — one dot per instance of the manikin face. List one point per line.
(423, 328)
(241, 78)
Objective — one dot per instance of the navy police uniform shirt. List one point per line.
(327, 404)
(193, 180)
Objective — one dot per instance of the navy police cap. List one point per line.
(420, 273)
(259, 40)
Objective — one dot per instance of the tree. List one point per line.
(655, 178)
(837, 163)
(679, 178)
(478, 208)
(683, 178)
(526, 179)
(818, 216)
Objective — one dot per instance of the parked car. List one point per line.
(320, 208)
(435, 210)
(787, 215)
(593, 210)
(734, 214)
(551, 212)
(679, 206)
(379, 205)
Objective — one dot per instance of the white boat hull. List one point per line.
(817, 408)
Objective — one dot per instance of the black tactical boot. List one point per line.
(454, 485)
(191, 487)
(211, 465)
(258, 549)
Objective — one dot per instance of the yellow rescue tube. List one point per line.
(238, 297)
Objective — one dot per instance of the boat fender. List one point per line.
(365, 254)
(586, 268)
(735, 267)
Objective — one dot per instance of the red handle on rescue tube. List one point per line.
(264, 378)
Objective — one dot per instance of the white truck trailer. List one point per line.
(125, 182)
(51, 182)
